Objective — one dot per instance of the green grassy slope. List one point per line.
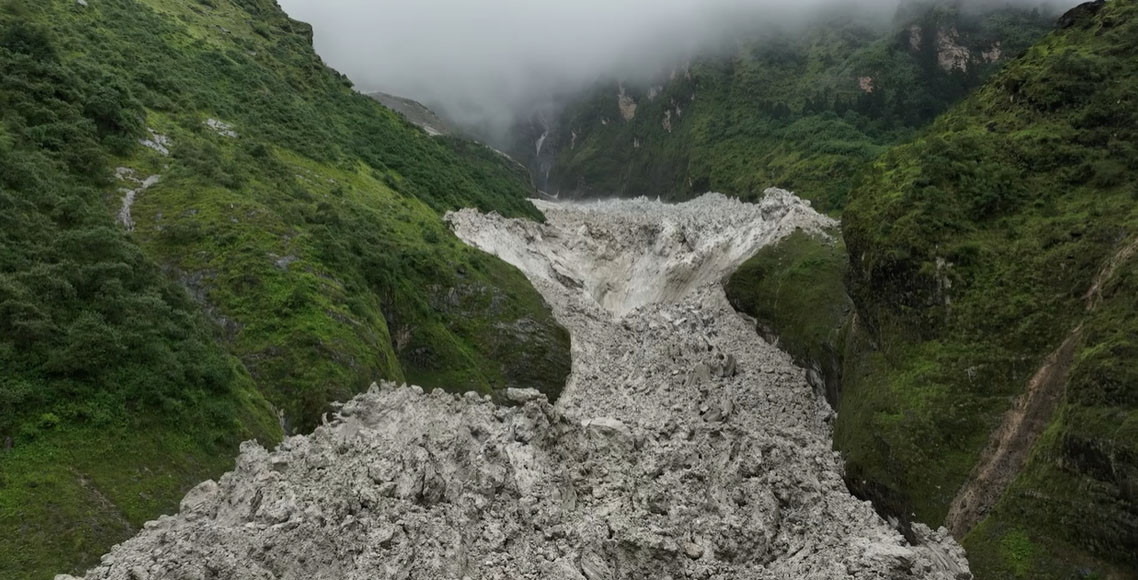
(786, 108)
(274, 269)
(974, 248)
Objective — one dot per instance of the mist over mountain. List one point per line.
(484, 62)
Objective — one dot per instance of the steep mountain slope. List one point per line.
(798, 107)
(994, 270)
(207, 235)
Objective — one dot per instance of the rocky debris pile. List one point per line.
(638, 285)
(416, 113)
(404, 484)
(684, 447)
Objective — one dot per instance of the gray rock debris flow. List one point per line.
(684, 446)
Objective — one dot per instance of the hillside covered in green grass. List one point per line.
(207, 236)
(997, 255)
(801, 107)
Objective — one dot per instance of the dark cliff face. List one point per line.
(535, 141)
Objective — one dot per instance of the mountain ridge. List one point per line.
(209, 236)
(1009, 237)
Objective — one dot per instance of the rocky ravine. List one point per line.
(683, 447)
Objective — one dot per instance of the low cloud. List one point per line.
(484, 61)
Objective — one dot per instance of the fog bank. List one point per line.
(481, 62)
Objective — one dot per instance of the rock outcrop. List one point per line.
(627, 105)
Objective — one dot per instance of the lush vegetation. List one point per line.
(802, 108)
(974, 249)
(274, 266)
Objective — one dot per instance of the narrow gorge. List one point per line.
(684, 445)
(297, 289)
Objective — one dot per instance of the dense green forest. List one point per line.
(802, 108)
(281, 248)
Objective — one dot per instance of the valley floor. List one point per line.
(684, 446)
